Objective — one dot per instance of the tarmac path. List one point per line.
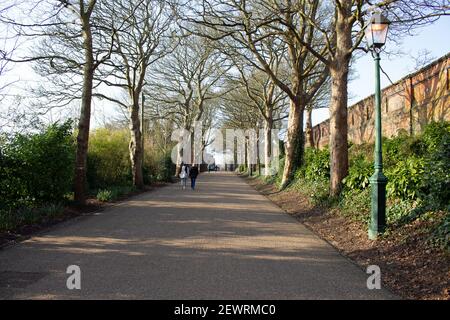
(221, 241)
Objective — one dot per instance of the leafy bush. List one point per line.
(355, 203)
(436, 174)
(441, 235)
(316, 189)
(435, 134)
(313, 178)
(158, 166)
(358, 175)
(271, 179)
(37, 168)
(113, 193)
(13, 218)
(404, 211)
(419, 167)
(166, 169)
(419, 180)
(404, 179)
(105, 195)
(319, 191)
(400, 147)
(418, 172)
(357, 151)
(317, 163)
(276, 178)
(108, 158)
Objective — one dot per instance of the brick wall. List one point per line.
(408, 104)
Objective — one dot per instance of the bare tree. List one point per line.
(144, 38)
(421, 59)
(342, 39)
(238, 112)
(320, 101)
(262, 95)
(251, 24)
(69, 51)
(84, 13)
(8, 46)
(186, 82)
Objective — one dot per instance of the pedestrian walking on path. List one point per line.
(193, 173)
(184, 173)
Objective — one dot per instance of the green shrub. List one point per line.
(276, 178)
(358, 175)
(316, 189)
(13, 218)
(158, 166)
(271, 179)
(435, 134)
(114, 192)
(312, 179)
(440, 237)
(105, 195)
(9, 219)
(317, 163)
(364, 150)
(401, 147)
(404, 211)
(418, 172)
(37, 168)
(436, 174)
(355, 204)
(108, 158)
(320, 191)
(166, 169)
(404, 179)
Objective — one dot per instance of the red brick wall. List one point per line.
(408, 105)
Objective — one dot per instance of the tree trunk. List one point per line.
(85, 116)
(258, 158)
(338, 107)
(235, 156)
(179, 160)
(247, 156)
(136, 146)
(294, 143)
(196, 143)
(309, 128)
(268, 145)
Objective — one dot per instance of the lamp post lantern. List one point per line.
(376, 34)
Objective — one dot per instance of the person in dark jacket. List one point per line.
(193, 173)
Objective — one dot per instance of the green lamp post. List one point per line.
(376, 34)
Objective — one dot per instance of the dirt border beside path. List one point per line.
(69, 213)
(409, 267)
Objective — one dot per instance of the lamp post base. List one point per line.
(378, 214)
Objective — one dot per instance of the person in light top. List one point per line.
(184, 174)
